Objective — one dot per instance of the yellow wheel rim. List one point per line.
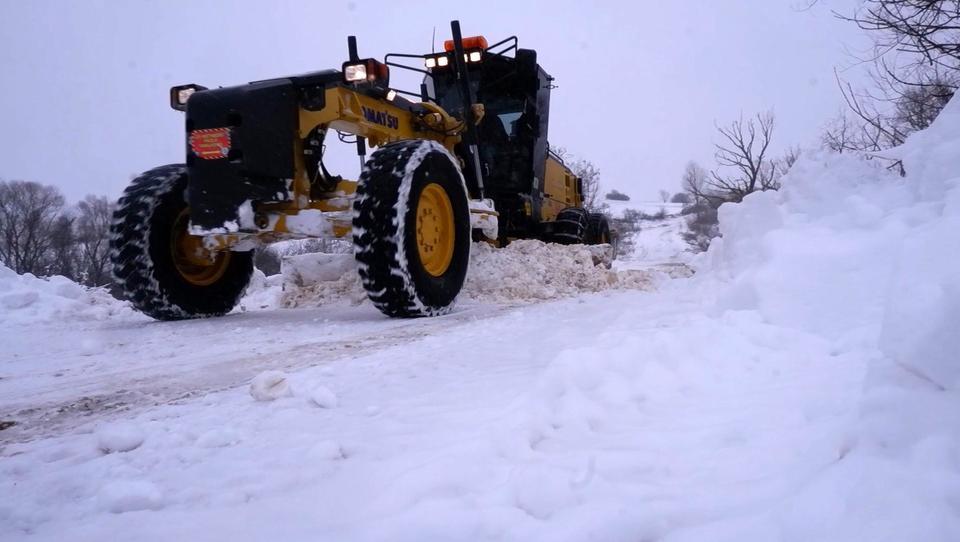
(195, 263)
(435, 229)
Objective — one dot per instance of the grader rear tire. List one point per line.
(570, 226)
(411, 229)
(161, 269)
(598, 229)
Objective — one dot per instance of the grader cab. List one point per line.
(466, 160)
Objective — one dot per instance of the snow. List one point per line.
(530, 270)
(119, 437)
(801, 385)
(323, 397)
(219, 438)
(659, 242)
(28, 300)
(130, 496)
(523, 271)
(269, 386)
(310, 222)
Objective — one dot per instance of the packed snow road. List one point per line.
(80, 371)
(74, 363)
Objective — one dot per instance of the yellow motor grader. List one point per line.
(465, 159)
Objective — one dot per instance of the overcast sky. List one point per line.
(641, 85)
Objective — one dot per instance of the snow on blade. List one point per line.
(525, 270)
(531, 270)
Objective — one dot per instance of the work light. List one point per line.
(368, 70)
(354, 73)
(180, 94)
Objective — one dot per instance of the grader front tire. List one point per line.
(411, 229)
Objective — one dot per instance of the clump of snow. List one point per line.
(270, 385)
(119, 437)
(323, 397)
(525, 270)
(263, 292)
(130, 496)
(26, 299)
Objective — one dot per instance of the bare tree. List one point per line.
(694, 180)
(915, 61)
(92, 227)
(745, 165)
(838, 134)
(61, 258)
(918, 105)
(702, 213)
(28, 216)
(590, 176)
(924, 29)
(743, 157)
(876, 131)
(885, 117)
(664, 196)
(790, 157)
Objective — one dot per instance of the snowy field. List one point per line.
(801, 385)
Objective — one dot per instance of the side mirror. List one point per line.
(527, 71)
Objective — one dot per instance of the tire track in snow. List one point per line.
(98, 398)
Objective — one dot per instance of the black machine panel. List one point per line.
(515, 92)
(261, 119)
(255, 126)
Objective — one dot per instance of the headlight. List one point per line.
(355, 72)
(443, 61)
(180, 94)
(475, 56)
(184, 94)
(430, 62)
(365, 71)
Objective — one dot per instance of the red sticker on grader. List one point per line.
(210, 143)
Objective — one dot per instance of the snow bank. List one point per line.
(870, 261)
(26, 299)
(525, 270)
(533, 270)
